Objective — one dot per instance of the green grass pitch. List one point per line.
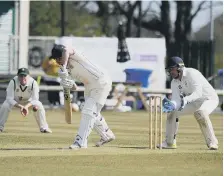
(25, 151)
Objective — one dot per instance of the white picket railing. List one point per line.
(130, 89)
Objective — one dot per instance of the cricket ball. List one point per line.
(75, 107)
(35, 109)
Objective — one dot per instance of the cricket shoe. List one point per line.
(45, 130)
(76, 146)
(165, 145)
(213, 146)
(102, 141)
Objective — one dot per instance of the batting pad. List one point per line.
(172, 125)
(102, 129)
(206, 127)
(89, 113)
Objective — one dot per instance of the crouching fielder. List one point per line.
(23, 92)
(190, 90)
(97, 87)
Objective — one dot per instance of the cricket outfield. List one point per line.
(25, 151)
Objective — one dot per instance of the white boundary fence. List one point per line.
(130, 89)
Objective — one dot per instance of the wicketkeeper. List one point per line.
(190, 90)
(22, 93)
(97, 87)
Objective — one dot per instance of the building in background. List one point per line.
(7, 29)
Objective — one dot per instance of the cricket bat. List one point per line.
(67, 104)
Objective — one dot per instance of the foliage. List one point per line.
(45, 20)
(153, 20)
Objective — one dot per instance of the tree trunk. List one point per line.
(165, 27)
(179, 22)
(187, 20)
(138, 34)
(128, 26)
(183, 21)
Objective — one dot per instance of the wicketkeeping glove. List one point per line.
(67, 83)
(168, 106)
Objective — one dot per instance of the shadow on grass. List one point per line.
(136, 147)
(34, 149)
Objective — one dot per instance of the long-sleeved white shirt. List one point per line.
(193, 85)
(16, 93)
(82, 69)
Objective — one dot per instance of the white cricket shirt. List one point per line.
(84, 70)
(17, 93)
(193, 85)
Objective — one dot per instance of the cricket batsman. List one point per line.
(190, 90)
(22, 93)
(97, 87)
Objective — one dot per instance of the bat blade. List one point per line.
(67, 106)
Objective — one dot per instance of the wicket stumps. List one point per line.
(155, 117)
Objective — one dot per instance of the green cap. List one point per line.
(23, 71)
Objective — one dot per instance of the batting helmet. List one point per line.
(175, 62)
(57, 51)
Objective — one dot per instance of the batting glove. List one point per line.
(67, 83)
(63, 74)
(168, 106)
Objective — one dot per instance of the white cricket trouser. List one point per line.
(202, 110)
(39, 114)
(99, 92)
(95, 99)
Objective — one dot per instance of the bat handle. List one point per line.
(62, 68)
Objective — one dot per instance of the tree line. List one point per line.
(80, 20)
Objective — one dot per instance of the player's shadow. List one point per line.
(136, 147)
(34, 149)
